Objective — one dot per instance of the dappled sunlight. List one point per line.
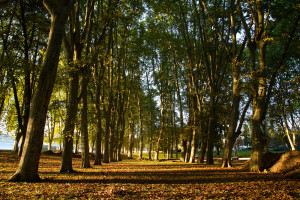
(143, 179)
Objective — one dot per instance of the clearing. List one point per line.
(134, 179)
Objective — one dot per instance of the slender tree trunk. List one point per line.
(20, 123)
(17, 140)
(106, 138)
(287, 131)
(188, 147)
(162, 124)
(141, 127)
(84, 123)
(68, 133)
(130, 138)
(122, 133)
(98, 155)
(151, 121)
(182, 138)
(193, 142)
(28, 166)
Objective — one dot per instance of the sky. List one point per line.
(6, 142)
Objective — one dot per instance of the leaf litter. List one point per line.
(143, 180)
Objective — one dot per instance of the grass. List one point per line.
(134, 179)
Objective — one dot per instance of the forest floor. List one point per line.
(140, 179)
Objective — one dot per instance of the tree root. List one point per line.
(68, 171)
(17, 177)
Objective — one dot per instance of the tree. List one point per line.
(257, 45)
(74, 46)
(28, 166)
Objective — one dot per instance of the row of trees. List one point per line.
(161, 73)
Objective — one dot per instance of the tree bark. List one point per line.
(68, 133)
(28, 166)
(130, 138)
(84, 123)
(98, 155)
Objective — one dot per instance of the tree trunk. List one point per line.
(183, 149)
(17, 140)
(98, 155)
(141, 127)
(202, 152)
(193, 146)
(188, 147)
(85, 155)
(130, 138)
(229, 142)
(158, 140)
(210, 137)
(287, 130)
(259, 88)
(151, 120)
(106, 138)
(68, 132)
(28, 166)
(162, 124)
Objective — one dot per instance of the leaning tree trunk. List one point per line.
(28, 166)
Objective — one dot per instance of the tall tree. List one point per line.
(74, 46)
(28, 167)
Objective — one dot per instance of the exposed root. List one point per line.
(17, 177)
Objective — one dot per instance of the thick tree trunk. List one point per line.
(183, 149)
(257, 148)
(229, 142)
(28, 166)
(257, 134)
(202, 152)
(210, 139)
(259, 88)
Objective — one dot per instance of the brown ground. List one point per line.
(144, 180)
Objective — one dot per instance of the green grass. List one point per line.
(241, 153)
(146, 156)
